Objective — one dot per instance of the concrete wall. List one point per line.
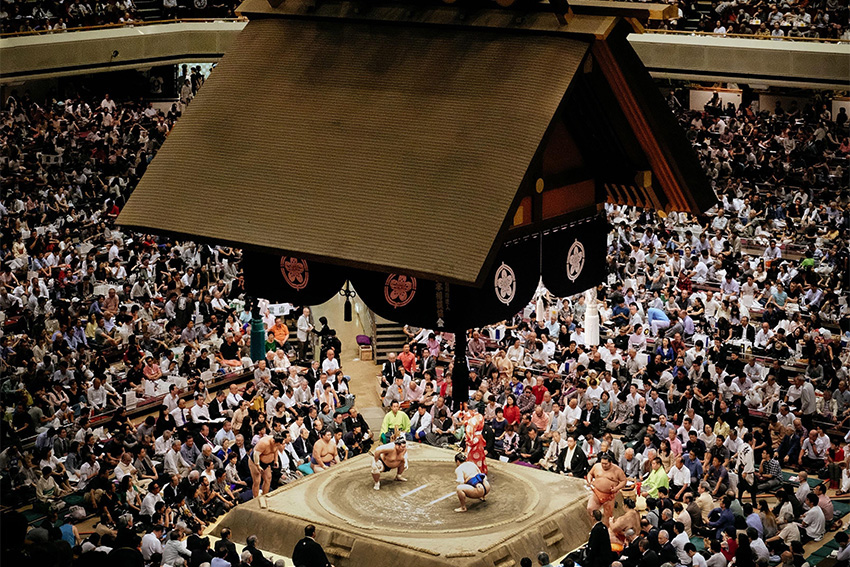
(754, 62)
(57, 55)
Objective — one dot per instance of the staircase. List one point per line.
(702, 9)
(389, 338)
(149, 10)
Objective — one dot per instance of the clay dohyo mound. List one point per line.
(413, 523)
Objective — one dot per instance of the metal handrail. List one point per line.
(125, 25)
(373, 333)
(746, 36)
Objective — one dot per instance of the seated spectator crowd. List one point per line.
(722, 361)
(723, 357)
(812, 19)
(99, 324)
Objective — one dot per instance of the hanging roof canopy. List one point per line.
(384, 142)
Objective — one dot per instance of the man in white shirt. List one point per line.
(548, 348)
(89, 470)
(162, 443)
(675, 264)
(758, 546)
(746, 467)
(107, 103)
(125, 467)
(188, 278)
(330, 365)
(151, 543)
(679, 542)
(150, 500)
(420, 424)
(96, 395)
(173, 462)
(711, 305)
(750, 288)
(729, 285)
(113, 254)
(550, 460)
(234, 400)
(516, 353)
(753, 370)
(697, 560)
(733, 442)
(680, 479)
(813, 526)
(633, 398)
(701, 271)
(296, 426)
(181, 415)
(772, 252)
(200, 411)
(573, 414)
(763, 337)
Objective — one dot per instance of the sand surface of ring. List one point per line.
(426, 502)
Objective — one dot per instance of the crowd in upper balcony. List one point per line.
(816, 19)
(61, 15)
(825, 19)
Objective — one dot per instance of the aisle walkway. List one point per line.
(363, 373)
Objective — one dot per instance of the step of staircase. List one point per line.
(389, 337)
(149, 10)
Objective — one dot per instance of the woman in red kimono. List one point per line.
(473, 423)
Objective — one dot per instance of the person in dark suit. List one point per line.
(428, 363)
(599, 543)
(313, 373)
(648, 558)
(302, 446)
(589, 420)
(631, 554)
(531, 448)
(232, 556)
(308, 552)
(577, 464)
(687, 402)
(353, 420)
(257, 558)
(201, 552)
(487, 367)
(666, 550)
(641, 418)
(203, 436)
(218, 407)
(390, 370)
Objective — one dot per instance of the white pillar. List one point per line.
(591, 319)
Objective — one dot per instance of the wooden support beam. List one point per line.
(639, 10)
